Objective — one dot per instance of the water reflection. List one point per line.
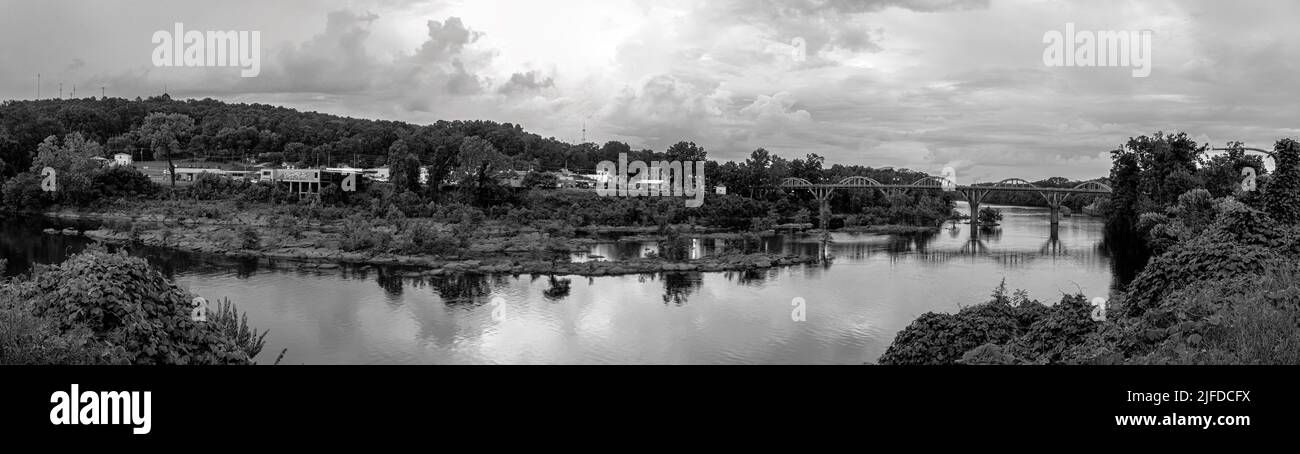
(867, 288)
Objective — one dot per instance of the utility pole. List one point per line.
(101, 92)
(60, 90)
(38, 86)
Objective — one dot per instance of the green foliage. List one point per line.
(23, 193)
(359, 234)
(210, 186)
(943, 338)
(990, 216)
(249, 239)
(120, 305)
(540, 180)
(1126, 186)
(675, 246)
(1281, 196)
(1240, 241)
(403, 167)
(164, 132)
(26, 339)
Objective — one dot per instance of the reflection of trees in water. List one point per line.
(679, 286)
(391, 282)
(357, 272)
(990, 233)
(1127, 257)
(747, 277)
(466, 288)
(245, 267)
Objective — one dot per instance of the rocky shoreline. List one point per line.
(479, 258)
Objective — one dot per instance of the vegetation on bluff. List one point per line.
(464, 161)
(1222, 288)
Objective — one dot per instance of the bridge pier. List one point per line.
(974, 197)
(1054, 201)
(823, 196)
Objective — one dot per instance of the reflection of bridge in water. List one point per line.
(974, 194)
(923, 248)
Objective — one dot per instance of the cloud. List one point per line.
(917, 84)
(528, 82)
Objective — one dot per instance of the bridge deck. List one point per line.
(955, 188)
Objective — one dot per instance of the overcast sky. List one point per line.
(920, 84)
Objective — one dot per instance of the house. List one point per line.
(122, 159)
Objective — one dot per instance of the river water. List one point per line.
(853, 306)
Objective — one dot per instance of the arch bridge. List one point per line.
(974, 194)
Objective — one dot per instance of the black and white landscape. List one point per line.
(649, 182)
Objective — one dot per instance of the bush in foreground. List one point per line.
(109, 308)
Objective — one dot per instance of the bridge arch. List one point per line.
(795, 183)
(1095, 185)
(860, 182)
(930, 182)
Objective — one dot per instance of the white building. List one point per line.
(122, 159)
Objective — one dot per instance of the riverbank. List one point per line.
(317, 246)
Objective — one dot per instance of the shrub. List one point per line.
(990, 216)
(23, 192)
(121, 302)
(249, 239)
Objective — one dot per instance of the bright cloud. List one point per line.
(920, 84)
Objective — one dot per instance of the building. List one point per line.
(378, 174)
(600, 177)
(308, 181)
(122, 159)
(190, 174)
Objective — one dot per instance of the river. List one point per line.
(853, 306)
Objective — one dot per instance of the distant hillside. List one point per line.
(225, 131)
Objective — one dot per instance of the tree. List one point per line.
(480, 163)
(164, 133)
(1282, 195)
(686, 151)
(403, 167)
(542, 180)
(1168, 163)
(296, 152)
(1126, 180)
(989, 217)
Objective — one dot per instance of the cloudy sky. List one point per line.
(921, 84)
